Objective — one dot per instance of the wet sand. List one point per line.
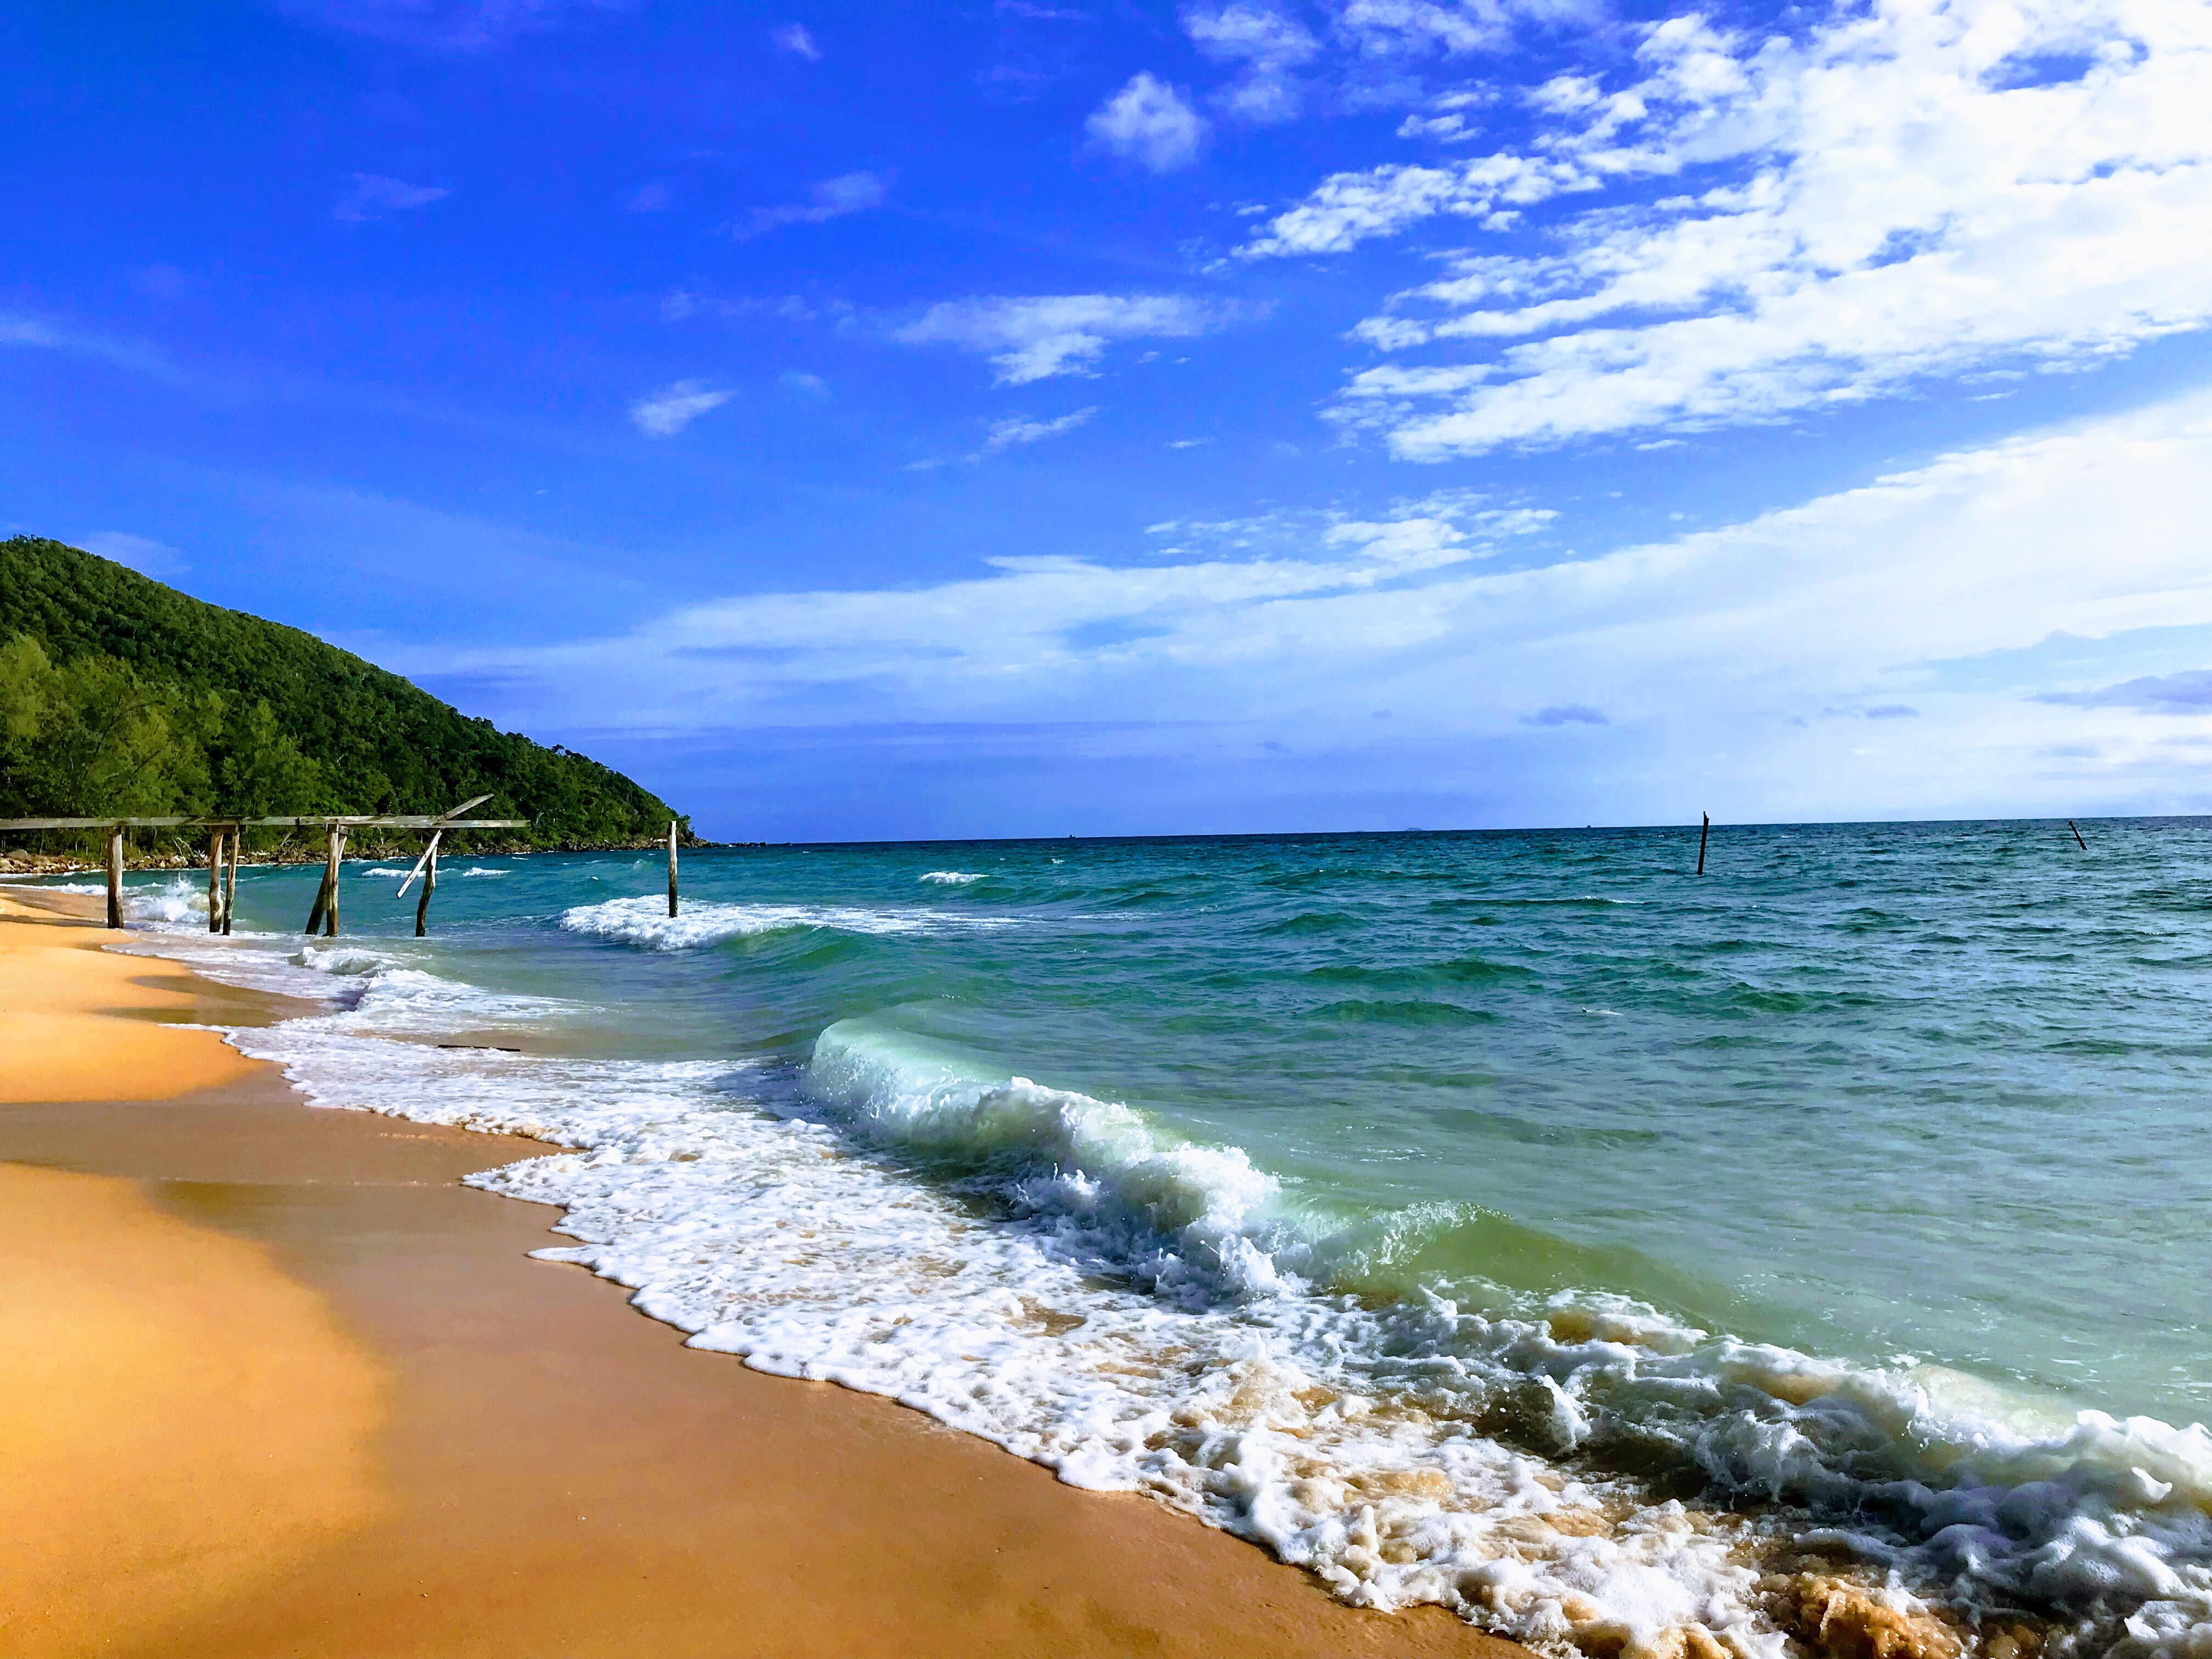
(273, 1384)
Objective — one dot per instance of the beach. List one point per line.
(273, 1382)
(1502, 1233)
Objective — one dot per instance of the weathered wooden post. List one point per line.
(230, 878)
(331, 865)
(322, 900)
(427, 867)
(215, 881)
(1706, 830)
(325, 913)
(115, 878)
(2078, 841)
(671, 869)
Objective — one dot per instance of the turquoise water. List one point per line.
(1925, 1103)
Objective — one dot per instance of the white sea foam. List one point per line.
(1136, 1311)
(644, 921)
(396, 872)
(949, 878)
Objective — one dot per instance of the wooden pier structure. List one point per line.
(222, 870)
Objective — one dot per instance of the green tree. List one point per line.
(264, 772)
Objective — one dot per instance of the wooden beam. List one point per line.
(671, 869)
(407, 821)
(230, 883)
(421, 864)
(215, 881)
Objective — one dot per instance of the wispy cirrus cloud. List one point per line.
(1013, 433)
(1037, 337)
(1893, 194)
(45, 334)
(451, 25)
(794, 39)
(2186, 693)
(848, 192)
(369, 196)
(664, 413)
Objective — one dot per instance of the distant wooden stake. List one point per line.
(230, 882)
(215, 881)
(2078, 841)
(671, 869)
(1702, 834)
(115, 878)
(429, 886)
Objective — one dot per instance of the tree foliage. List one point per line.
(121, 695)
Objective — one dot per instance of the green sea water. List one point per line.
(1920, 1101)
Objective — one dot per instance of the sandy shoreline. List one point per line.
(272, 1382)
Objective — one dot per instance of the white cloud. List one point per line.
(848, 192)
(1420, 28)
(1012, 433)
(664, 413)
(40, 333)
(372, 196)
(1266, 45)
(793, 39)
(654, 198)
(1352, 207)
(1437, 128)
(1008, 434)
(1900, 192)
(1036, 337)
(1149, 121)
(1710, 656)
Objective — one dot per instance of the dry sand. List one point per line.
(273, 1384)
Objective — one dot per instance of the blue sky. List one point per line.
(1048, 416)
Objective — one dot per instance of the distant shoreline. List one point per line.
(19, 865)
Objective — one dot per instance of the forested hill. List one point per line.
(121, 695)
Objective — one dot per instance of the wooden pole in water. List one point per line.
(429, 884)
(115, 878)
(322, 899)
(2078, 841)
(337, 851)
(230, 881)
(215, 881)
(671, 869)
(1702, 834)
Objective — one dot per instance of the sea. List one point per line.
(1628, 1261)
